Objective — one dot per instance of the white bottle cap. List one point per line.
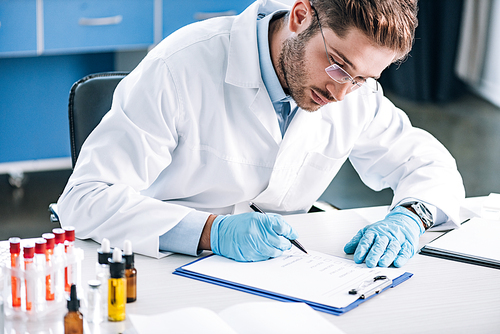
(117, 255)
(127, 247)
(105, 246)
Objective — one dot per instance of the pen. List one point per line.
(294, 242)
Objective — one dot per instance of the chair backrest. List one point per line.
(89, 100)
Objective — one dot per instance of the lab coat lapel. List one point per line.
(243, 69)
(263, 109)
(305, 133)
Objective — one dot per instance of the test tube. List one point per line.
(40, 261)
(28, 254)
(59, 263)
(49, 253)
(15, 263)
(69, 242)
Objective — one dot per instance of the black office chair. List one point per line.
(89, 100)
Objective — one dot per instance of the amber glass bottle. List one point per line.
(130, 272)
(73, 320)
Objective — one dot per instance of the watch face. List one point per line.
(424, 214)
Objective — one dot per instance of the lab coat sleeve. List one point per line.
(121, 158)
(390, 152)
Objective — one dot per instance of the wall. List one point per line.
(489, 84)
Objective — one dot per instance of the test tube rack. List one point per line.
(7, 274)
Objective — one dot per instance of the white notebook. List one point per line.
(476, 241)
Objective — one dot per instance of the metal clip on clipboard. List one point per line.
(371, 287)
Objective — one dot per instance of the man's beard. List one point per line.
(292, 67)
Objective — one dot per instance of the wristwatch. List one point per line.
(422, 212)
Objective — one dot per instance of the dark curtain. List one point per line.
(428, 75)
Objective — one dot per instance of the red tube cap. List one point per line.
(15, 245)
(59, 235)
(29, 252)
(69, 232)
(50, 238)
(40, 246)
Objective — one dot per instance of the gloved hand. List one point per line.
(394, 239)
(251, 236)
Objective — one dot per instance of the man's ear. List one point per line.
(300, 16)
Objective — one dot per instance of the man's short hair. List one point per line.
(388, 23)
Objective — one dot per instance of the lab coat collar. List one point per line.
(244, 70)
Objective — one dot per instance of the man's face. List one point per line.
(303, 60)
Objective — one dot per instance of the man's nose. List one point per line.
(339, 91)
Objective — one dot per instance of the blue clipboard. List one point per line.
(181, 271)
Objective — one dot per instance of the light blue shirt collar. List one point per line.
(269, 75)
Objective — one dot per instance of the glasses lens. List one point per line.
(338, 74)
(335, 72)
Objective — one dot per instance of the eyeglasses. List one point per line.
(338, 74)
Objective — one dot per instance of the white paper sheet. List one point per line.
(260, 317)
(314, 277)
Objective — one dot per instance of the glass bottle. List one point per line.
(94, 303)
(130, 272)
(73, 320)
(117, 287)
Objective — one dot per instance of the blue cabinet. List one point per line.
(18, 27)
(47, 45)
(97, 25)
(33, 109)
(176, 15)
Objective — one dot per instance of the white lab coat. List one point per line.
(193, 128)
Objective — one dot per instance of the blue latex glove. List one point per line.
(251, 236)
(392, 240)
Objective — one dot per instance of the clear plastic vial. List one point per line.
(94, 302)
(102, 272)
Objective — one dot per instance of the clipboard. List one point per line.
(231, 277)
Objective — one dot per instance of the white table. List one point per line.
(442, 296)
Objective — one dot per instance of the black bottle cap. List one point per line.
(129, 261)
(116, 269)
(105, 252)
(116, 264)
(73, 301)
(103, 258)
(128, 255)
